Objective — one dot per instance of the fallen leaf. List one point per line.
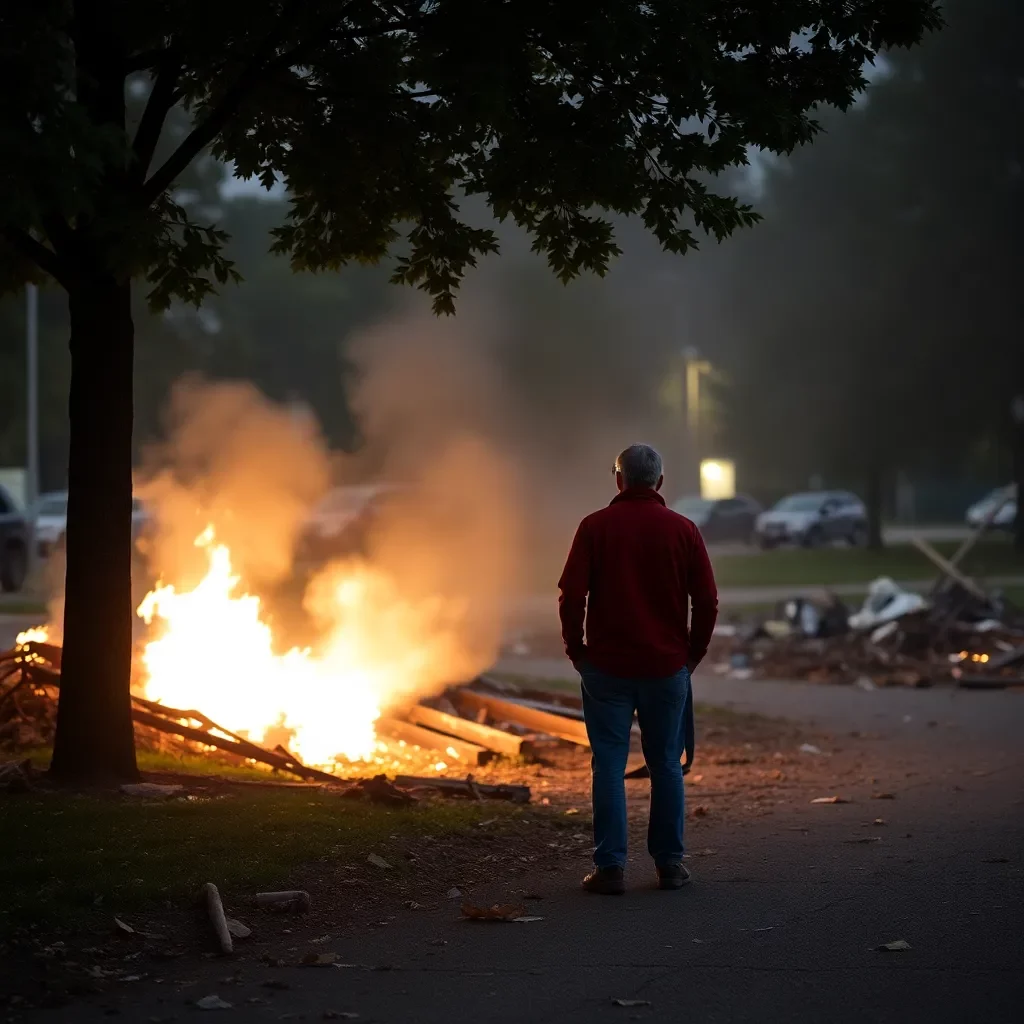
(883, 796)
(213, 1003)
(767, 928)
(879, 821)
(378, 862)
(339, 1015)
(700, 811)
(631, 1002)
(123, 929)
(830, 800)
(572, 810)
(998, 860)
(237, 929)
(319, 959)
(527, 919)
(706, 852)
(498, 912)
(896, 946)
(865, 839)
(454, 894)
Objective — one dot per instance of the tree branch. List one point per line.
(44, 258)
(262, 63)
(161, 100)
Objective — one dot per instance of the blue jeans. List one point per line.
(608, 706)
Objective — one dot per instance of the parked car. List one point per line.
(1005, 518)
(14, 542)
(814, 518)
(340, 524)
(51, 521)
(722, 519)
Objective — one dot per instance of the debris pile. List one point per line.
(959, 633)
(467, 726)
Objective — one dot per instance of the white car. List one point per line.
(1004, 519)
(51, 521)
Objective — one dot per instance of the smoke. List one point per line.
(424, 604)
(431, 405)
(236, 461)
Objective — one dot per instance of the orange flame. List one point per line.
(213, 652)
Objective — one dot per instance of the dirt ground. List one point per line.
(746, 768)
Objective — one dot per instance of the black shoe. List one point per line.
(607, 881)
(672, 876)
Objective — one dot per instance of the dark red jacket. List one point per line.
(631, 568)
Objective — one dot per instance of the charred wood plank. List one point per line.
(539, 720)
(239, 747)
(466, 787)
(462, 728)
(428, 739)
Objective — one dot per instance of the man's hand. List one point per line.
(691, 666)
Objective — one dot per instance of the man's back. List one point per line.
(631, 568)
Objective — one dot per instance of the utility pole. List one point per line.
(32, 394)
(694, 367)
(1017, 419)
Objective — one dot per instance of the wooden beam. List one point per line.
(532, 718)
(483, 735)
(948, 568)
(241, 748)
(451, 747)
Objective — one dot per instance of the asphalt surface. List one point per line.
(780, 924)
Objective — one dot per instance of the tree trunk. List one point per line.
(95, 740)
(873, 501)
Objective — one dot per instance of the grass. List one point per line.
(69, 858)
(823, 566)
(186, 764)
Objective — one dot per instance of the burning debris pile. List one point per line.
(464, 727)
(960, 633)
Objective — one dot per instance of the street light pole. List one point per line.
(32, 393)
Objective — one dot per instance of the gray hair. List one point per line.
(640, 466)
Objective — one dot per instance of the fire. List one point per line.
(212, 651)
(34, 635)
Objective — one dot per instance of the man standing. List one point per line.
(630, 572)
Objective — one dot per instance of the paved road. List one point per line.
(781, 923)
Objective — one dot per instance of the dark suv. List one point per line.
(14, 535)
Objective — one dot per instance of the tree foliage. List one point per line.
(877, 299)
(376, 116)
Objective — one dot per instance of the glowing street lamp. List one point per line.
(717, 479)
